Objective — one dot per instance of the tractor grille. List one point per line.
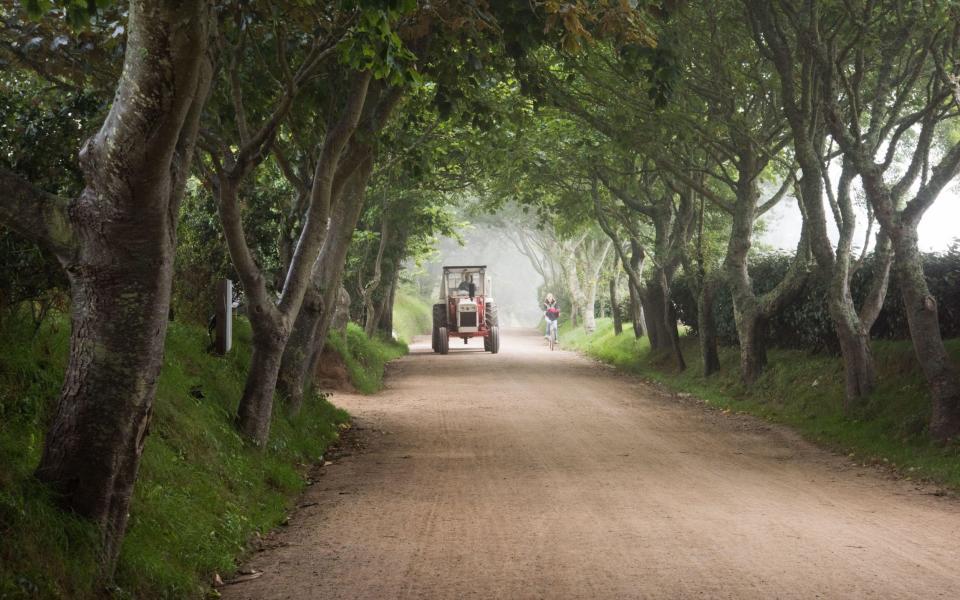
(468, 319)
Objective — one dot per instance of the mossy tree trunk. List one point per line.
(615, 307)
(368, 289)
(671, 212)
(921, 308)
(805, 115)
(752, 311)
(637, 258)
(116, 242)
(704, 284)
(707, 326)
(313, 322)
(273, 320)
(385, 306)
(310, 329)
(915, 45)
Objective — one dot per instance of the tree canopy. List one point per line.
(312, 151)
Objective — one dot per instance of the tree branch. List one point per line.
(775, 199)
(705, 191)
(941, 175)
(36, 214)
(311, 236)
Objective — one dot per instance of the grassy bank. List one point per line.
(412, 315)
(366, 359)
(202, 490)
(805, 391)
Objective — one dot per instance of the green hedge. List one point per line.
(806, 324)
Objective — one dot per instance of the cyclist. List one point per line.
(551, 314)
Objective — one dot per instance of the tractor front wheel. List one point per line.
(443, 341)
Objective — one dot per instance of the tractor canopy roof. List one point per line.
(468, 281)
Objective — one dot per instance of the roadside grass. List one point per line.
(202, 491)
(805, 391)
(365, 358)
(412, 315)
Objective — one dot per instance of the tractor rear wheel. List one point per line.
(492, 341)
(443, 341)
(439, 320)
(490, 315)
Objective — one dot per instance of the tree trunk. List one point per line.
(120, 264)
(649, 312)
(385, 322)
(751, 329)
(668, 336)
(589, 310)
(93, 447)
(336, 323)
(859, 372)
(309, 332)
(922, 318)
(310, 328)
(674, 332)
(595, 255)
(709, 354)
(662, 325)
(325, 279)
(657, 311)
(751, 311)
(255, 411)
(615, 308)
(270, 325)
(272, 319)
(292, 377)
(654, 313)
(366, 294)
(636, 312)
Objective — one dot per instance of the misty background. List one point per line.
(516, 285)
(939, 228)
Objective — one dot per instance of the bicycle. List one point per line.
(552, 335)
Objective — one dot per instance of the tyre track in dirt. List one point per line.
(538, 474)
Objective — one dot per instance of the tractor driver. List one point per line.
(467, 284)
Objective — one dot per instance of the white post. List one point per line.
(224, 316)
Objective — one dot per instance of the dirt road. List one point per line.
(533, 474)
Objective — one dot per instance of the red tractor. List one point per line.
(465, 310)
